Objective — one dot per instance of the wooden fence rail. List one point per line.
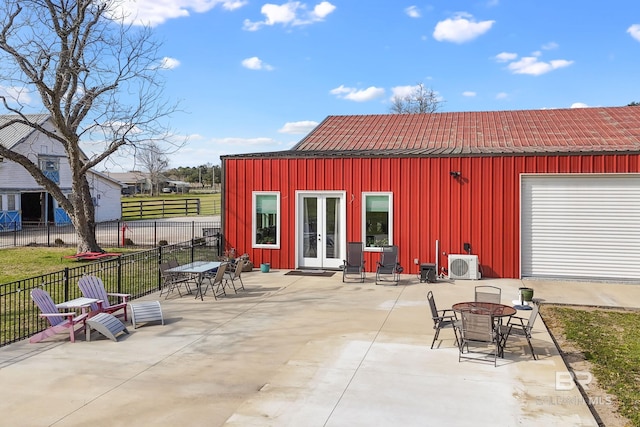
(145, 209)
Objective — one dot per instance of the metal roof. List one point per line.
(13, 134)
(571, 131)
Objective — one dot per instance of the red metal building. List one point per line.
(545, 193)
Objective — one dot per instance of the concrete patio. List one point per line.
(300, 351)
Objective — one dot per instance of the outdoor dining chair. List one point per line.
(234, 274)
(441, 319)
(215, 281)
(517, 327)
(478, 330)
(353, 266)
(172, 281)
(488, 294)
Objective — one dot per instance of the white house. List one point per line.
(23, 201)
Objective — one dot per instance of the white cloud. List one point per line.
(169, 63)
(502, 95)
(579, 105)
(291, 13)
(402, 91)
(460, 29)
(531, 65)
(357, 95)
(156, 12)
(468, 93)
(413, 12)
(634, 30)
(322, 10)
(255, 63)
(506, 57)
(296, 128)
(550, 46)
(16, 95)
(410, 91)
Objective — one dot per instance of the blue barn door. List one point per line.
(61, 217)
(10, 221)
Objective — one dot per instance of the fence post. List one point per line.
(65, 283)
(119, 275)
(158, 275)
(155, 233)
(46, 222)
(198, 205)
(15, 233)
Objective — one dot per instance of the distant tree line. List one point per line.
(204, 174)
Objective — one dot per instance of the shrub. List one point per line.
(59, 242)
(128, 242)
(163, 243)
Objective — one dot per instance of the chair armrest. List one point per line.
(61, 314)
(68, 314)
(517, 319)
(80, 317)
(125, 297)
(445, 311)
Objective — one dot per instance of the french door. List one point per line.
(320, 229)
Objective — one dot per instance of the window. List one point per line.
(377, 219)
(266, 220)
(11, 202)
(50, 166)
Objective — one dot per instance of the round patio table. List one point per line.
(489, 308)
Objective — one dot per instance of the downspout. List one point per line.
(221, 244)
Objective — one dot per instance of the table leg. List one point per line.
(199, 286)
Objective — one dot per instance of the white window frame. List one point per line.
(254, 225)
(364, 220)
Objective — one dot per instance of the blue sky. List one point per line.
(254, 76)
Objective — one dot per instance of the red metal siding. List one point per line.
(481, 207)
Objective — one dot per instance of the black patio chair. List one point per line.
(478, 330)
(388, 269)
(488, 294)
(441, 319)
(517, 327)
(353, 266)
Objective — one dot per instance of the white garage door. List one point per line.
(581, 226)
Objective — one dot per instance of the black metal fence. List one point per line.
(113, 234)
(136, 274)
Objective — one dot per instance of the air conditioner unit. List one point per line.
(463, 267)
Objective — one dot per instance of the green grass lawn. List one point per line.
(610, 341)
(22, 263)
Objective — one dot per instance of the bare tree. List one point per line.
(98, 79)
(154, 161)
(420, 99)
